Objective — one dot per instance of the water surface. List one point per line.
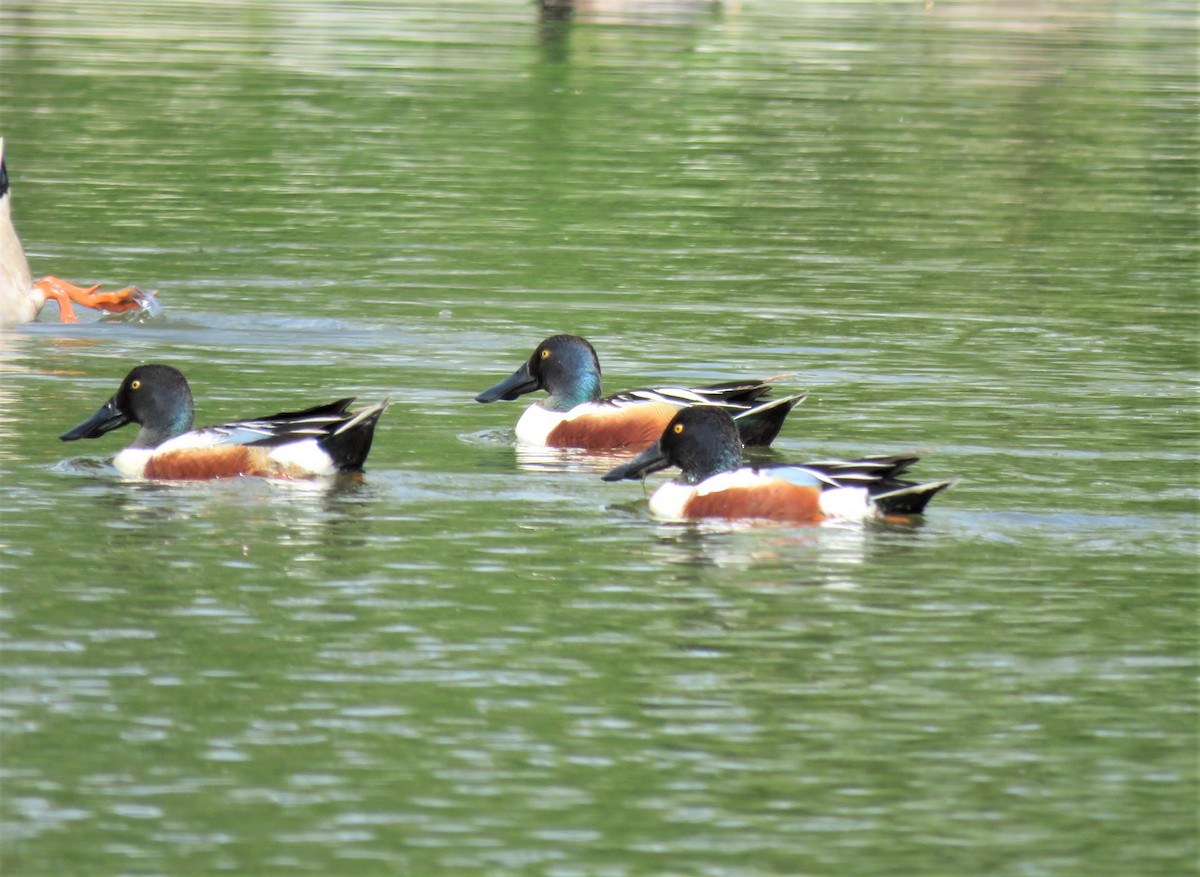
(967, 228)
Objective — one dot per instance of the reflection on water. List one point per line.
(289, 515)
(639, 12)
(537, 458)
(540, 459)
(828, 552)
(10, 367)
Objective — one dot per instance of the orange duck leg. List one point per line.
(127, 299)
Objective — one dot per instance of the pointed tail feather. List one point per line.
(910, 500)
(760, 425)
(349, 445)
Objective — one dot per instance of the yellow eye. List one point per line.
(678, 428)
(545, 354)
(135, 385)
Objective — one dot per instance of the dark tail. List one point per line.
(910, 500)
(349, 445)
(760, 425)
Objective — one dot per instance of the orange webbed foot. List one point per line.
(127, 299)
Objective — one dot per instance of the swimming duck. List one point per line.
(322, 440)
(703, 442)
(21, 298)
(576, 415)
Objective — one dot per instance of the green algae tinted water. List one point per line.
(967, 229)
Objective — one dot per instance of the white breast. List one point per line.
(131, 462)
(669, 500)
(537, 423)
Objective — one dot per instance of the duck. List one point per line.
(703, 441)
(576, 414)
(318, 441)
(22, 299)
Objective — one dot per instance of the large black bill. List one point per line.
(108, 418)
(650, 460)
(517, 384)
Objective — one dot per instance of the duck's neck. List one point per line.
(713, 462)
(583, 387)
(153, 436)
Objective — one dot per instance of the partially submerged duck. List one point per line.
(322, 440)
(21, 298)
(703, 442)
(575, 414)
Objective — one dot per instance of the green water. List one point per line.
(968, 229)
